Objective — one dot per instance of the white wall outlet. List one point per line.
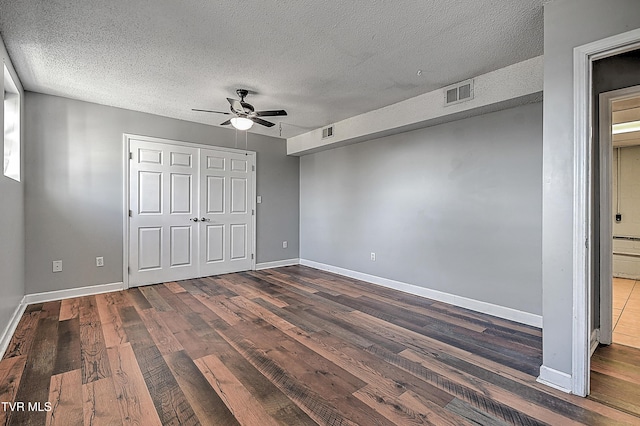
(373, 256)
(99, 261)
(57, 266)
(285, 244)
(259, 199)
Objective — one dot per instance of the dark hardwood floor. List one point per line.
(290, 346)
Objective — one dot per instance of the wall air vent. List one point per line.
(459, 92)
(327, 132)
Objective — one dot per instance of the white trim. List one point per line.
(125, 202)
(463, 302)
(555, 379)
(127, 137)
(581, 250)
(254, 207)
(634, 277)
(595, 339)
(49, 296)
(606, 227)
(583, 57)
(7, 334)
(277, 264)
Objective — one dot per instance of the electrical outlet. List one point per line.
(259, 199)
(284, 244)
(57, 266)
(99, 261)
(373, 256)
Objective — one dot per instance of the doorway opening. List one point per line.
(614, 373)
(620, 217)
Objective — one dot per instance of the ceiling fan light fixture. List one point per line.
(241, 123)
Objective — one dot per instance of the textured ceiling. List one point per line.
(321, 61)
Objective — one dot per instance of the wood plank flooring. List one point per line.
(290, 346)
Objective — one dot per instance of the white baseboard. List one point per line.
(48, 296)
(463, 302)
(556, 379)
(626, 276)
(7, 334)
(277, 264)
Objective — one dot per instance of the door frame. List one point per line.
(606, 209)
(583, 58)
(126, 138)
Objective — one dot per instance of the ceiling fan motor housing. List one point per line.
(242, 93)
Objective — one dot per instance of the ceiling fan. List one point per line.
(245, 114)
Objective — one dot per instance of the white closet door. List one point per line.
(191, 212)
(226, 195)
(164, 187)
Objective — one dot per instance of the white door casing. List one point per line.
(189, 211)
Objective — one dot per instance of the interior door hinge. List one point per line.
(131, 156)
(251, 256)
(130, 213)
(253, 168)
(586, 243)
(253, 212)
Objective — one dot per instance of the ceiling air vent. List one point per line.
(327, 132)
(459, 92)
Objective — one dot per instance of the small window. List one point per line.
(11, 127)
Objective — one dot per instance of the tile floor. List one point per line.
(626, 312)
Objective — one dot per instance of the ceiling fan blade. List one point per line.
(236, 106)
(206, 110)
(225, 123)
(261, 121)
(274, 113)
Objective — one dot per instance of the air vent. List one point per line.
(327, 132)
(459, 92)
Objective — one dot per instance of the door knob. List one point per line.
(195, 219)
(204, 219)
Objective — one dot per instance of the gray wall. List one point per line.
(11, 225)
(455, 207)
(74, 188)
(568, 24)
